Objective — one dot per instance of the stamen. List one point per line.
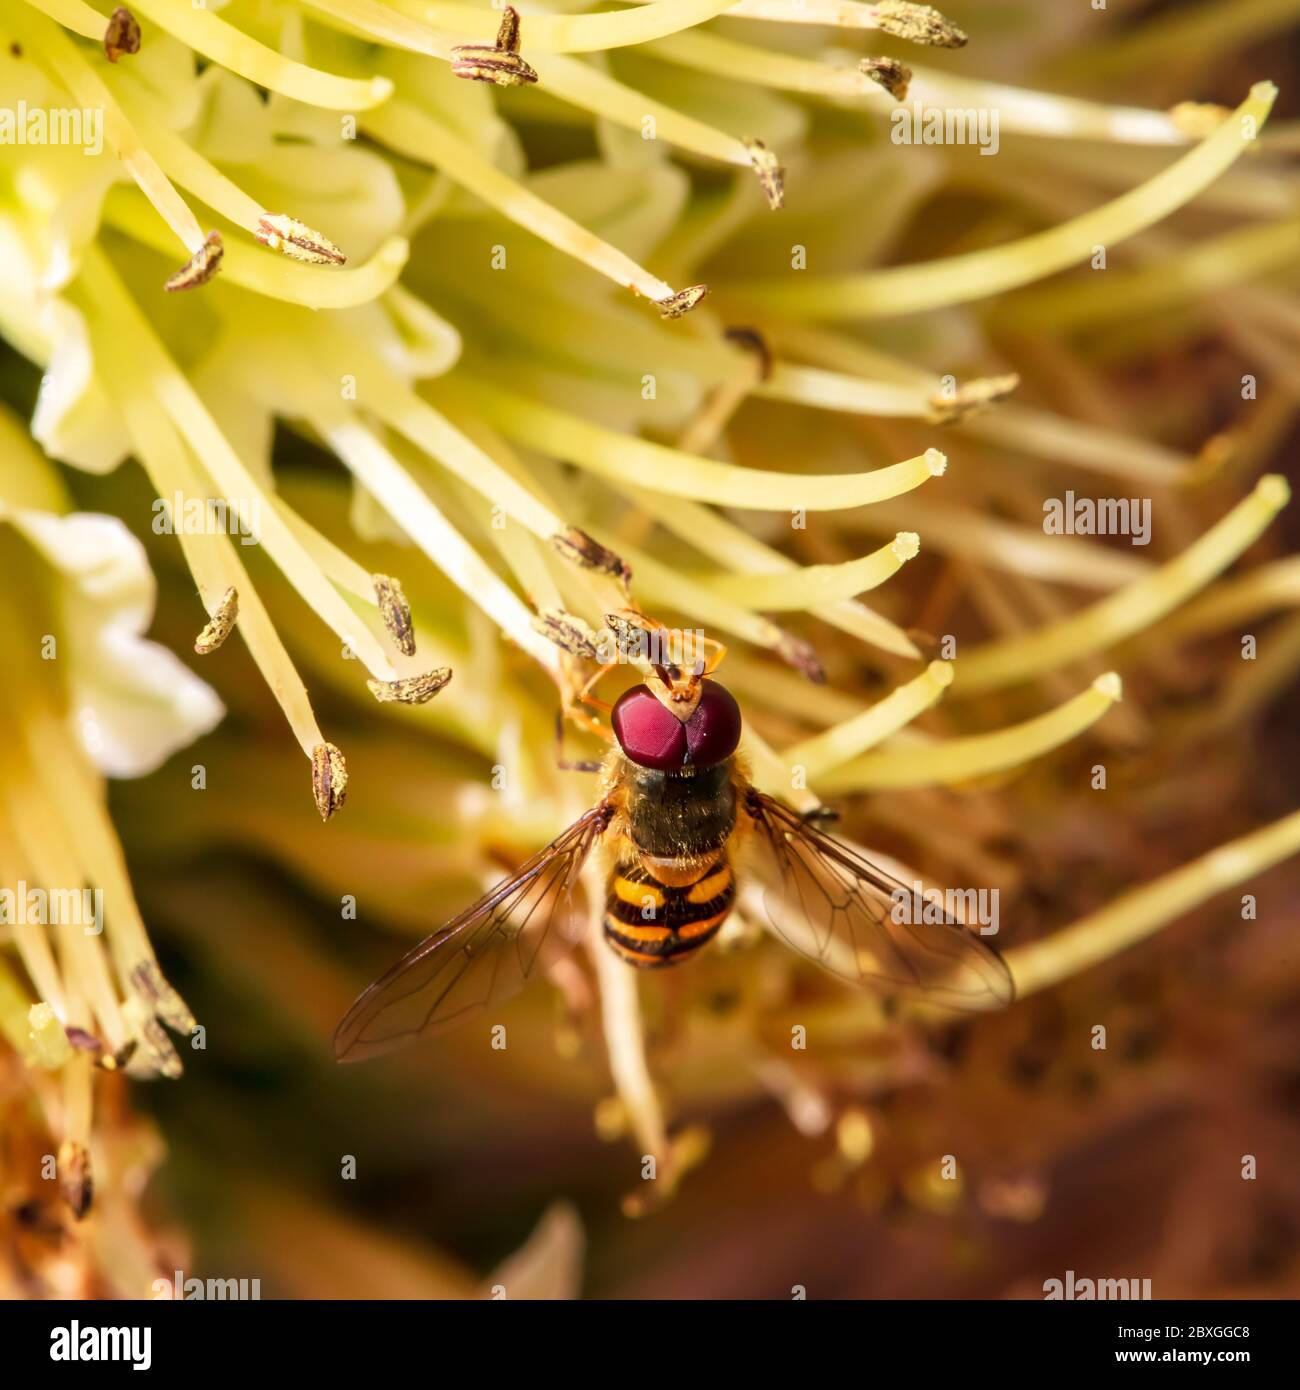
(582, 550)
(150, 985)
(970, 398)
(229, 47)
(1142, 911)
(501, 63)
(918, 24)
(395, 612)
(893, 76)
(48, 1039)
(412, 132)
(754, 342)
(329, 779)
(682, 302)
(723, 542)
(76, 1181)
(568, 633)
(846, 740)
(411, 690)
(200, 268)
(222, 624)
(628, 459)
(771, 175)
(122, 35)
(948, 762)
(297, 240)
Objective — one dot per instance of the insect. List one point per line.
(679, 826)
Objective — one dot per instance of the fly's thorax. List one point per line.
(687, 815)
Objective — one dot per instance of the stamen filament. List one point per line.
(845, 741)
(1129, 610)
(415, 134)
(649, 465)
(815, 584)
(314, 287)
(977, 274)
(65, 60)
(948, 762)
(222, 43)
(1143, 911)
(119, 313)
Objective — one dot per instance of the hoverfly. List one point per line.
(678, 825)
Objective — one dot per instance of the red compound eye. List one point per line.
(713, 731)
(652, 736)
(647, 731)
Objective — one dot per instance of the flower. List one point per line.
(705, 318)
(87, 695)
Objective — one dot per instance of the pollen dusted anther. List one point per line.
(568, 633)
(889, 73)
(149, 984)
(76, 1181)
(499, 63)
(221, 624)
(771, 173)
(411, 690)
(201, 266)
(588, 554)
(682, 302)
(970, 398)
(297, 240)
(918, 24)
(329, 779)
(122, 35)
(395, 612)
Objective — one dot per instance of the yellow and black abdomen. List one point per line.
(652, 923)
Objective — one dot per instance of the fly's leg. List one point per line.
(569, 764)
(570, 708)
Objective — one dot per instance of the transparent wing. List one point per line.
(827, 901)
(481, 957)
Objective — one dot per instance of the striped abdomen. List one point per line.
(650, 923)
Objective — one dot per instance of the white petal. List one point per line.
(133, 703)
